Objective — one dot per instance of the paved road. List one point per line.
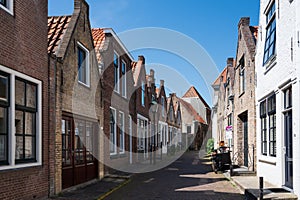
(187, 178)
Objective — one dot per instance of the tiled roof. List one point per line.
(192, 111)
(193, 92)
(99, 39)
(254, 30)
(222, 77)
(57, 27)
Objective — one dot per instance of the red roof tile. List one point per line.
(57, 27)
(193, 92)
(222, 77)
(192, 111)
(99, 39)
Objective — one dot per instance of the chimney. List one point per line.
(162, 83)
(81, 5)
(142, 58)
(229, 62)
(244, 21)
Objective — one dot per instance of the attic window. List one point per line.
(83, 65)
(7, 5)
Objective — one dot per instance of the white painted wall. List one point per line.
(272, 80)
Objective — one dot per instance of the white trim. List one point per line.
(87, 60)
(124, 79)
(11, 121)
(130, 138)
(117, 87)
(123, 133)
(111, 31)
(115, 133)
(9, 8)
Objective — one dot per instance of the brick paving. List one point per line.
(187, 178)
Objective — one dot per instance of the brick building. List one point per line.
(74, 84)
(118, 99)
(142, 109)
(24, 128)
(162, 131)
(244, 121)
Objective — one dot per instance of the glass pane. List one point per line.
(29, 123)
(3, 147)
(31, 95)
(3, 88)
(19, 122)
(3, 120)
(19, 147)
(20, 93)
(29, 147)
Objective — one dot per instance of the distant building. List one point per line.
(244, 116)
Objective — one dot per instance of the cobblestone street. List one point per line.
(187, 178)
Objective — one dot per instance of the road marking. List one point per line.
(113, 190)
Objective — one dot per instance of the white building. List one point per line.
(277, 91)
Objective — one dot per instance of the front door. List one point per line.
(288, 134)
(78, 146)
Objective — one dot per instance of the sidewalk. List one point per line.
(97, 190)
(249, 185)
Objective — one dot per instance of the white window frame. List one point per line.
(11, 121)
(115, 133)
(117, 85)
(122, 130)
(124, 79)
(87, 62)
(143, 94)
(9, 7)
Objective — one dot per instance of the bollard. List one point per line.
(261, 188)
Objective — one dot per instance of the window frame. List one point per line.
(270, 19)
(116, 73)
(143, 93)
(124, 79)
(11, 121)
(163, 106)
(9, 7)
(87, 65)
(242, 75)
(122, 132)
(114, 143)
(263, 119)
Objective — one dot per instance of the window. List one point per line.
(163, 106)
(122, 135)
(268, 122)
(123, 79)
(4, 106)
(21, 148)
(270, 44)
(113, 132)
(171, 113)
(7, 5)
(142, 133)
(83, 65)
(242, 75)
(272, 125)
(263, 119)
(143, 94)
(25, 120)
(116, 72)
(229, 120)
(189, 129)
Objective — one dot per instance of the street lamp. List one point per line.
(154, 107)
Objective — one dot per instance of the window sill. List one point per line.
(10, 11)
(84, 84)
(267, 160)
(20, 166)
(270, 64)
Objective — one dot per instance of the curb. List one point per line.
(113, 190)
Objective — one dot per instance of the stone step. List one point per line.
(270, 193)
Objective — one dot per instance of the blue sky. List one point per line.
(211, 24)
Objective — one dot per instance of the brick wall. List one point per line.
(23, 47)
